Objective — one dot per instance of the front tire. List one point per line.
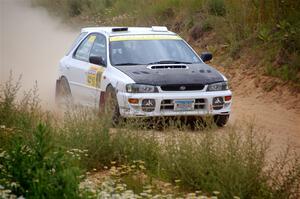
(221, 120)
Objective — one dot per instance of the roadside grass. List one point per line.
(231, 163)
(44, 157)
(32, 165)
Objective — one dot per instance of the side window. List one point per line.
(83, 51)
(79, 38)
(99, 47)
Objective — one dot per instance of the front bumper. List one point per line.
(203, 103)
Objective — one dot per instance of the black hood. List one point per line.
(168, 74)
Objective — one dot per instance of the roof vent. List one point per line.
(159, 29)
(120, 29)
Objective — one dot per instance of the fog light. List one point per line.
(148, 105)
(133, 101)
(227, 98)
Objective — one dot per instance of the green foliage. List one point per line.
(285, 72)
(130, 146)
(15, 116)
(207, 26)
(264, 35)
(36, 169)
(131, 181)
(217, 7)
(32, 165)
(44, 158)
(83, 129)
(231, 164)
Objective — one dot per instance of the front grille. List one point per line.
(168, 104)
(182, 87)
(199, 104)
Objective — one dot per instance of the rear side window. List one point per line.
(83, 51)
(78, 39)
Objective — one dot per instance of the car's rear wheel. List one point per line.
(221, 120)
(63, 92)
(111, 106)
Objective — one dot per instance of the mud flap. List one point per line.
(57, 87)
(101, 101)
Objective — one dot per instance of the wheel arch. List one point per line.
(58, 81)
(109, 85)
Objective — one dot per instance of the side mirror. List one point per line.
(97, 60)
(206, 56)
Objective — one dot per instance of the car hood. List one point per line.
(166, 74)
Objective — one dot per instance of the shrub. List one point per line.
(217, 7)
(83, 129)
(36, 169)
(17, 116)
(31, 163)
(232, 164)
(129, 146)
(284, 175)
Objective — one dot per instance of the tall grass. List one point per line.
(45, 157)
(232, 163)
(32, 165)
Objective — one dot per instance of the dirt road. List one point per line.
(282, 126)
(32, 43)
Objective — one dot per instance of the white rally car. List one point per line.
(147, 72)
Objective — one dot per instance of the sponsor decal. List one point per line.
(144, 37)
(94, 76)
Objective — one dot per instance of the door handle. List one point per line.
(67, 67)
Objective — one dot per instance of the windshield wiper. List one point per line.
(127, 64)
(169, 62)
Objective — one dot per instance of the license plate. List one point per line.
(184, 105)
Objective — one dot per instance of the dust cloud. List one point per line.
(31, 44)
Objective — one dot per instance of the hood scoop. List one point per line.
(155, 67)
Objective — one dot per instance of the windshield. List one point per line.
(135, 52)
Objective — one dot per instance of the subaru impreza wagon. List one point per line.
(142, 72)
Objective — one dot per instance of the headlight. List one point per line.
(141, 88)
(221, 86)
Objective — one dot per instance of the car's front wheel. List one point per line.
(221, 120)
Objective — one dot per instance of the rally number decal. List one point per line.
(94, 76)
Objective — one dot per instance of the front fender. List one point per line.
(115, 78)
